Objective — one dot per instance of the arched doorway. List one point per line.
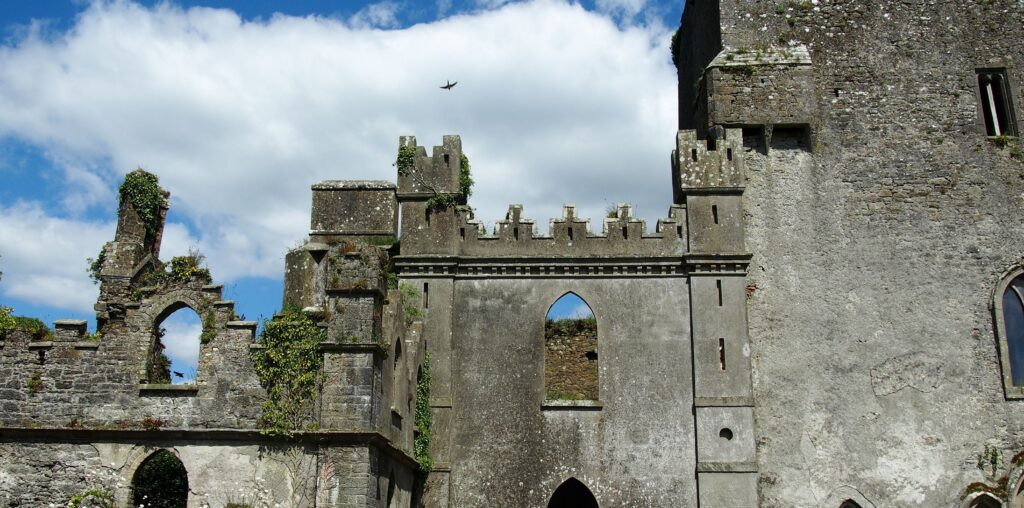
(572, 494)
(160, 482)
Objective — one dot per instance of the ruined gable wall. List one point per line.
(877, 244)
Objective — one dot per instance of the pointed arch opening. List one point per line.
(572, 493)
(161, 481)
(849, 503)
(174, 351)
(1009, 316)
(985, 500)
(570, 350)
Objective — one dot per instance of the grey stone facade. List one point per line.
(813, 323)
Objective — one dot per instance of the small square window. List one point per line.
(996, 102)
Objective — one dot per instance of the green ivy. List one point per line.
(410, 297)
(181, 269)
(142, 190)
(96, 265)
(158, 366)
(440, 202)
(406, 160)
(34, 327)
(35, 382)
(93, 498)
(209, 327)
(290, 368)
(423, 418)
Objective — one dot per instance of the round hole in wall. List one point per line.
(725, 434)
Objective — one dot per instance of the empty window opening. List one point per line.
(728, 153)
(721, 354)
(426, 295)
(174, 350)
(712, 144)
(570, 350)
(849, 503)
(446, 159)
(42, 357)
(161, 482)
(426, 215)
(625, 233)
(725, 433)
(714, 213)
(572, 493)
(718, 285)
(570, 233)
(679, 231)
(996, 103)
(515, 234)
(462, 233)
(836, 91)
(693, 154)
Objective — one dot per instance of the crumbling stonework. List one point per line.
(810, 325)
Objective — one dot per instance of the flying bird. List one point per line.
(179, 374)
(449, 85)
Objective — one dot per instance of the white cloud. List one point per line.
(628, 8)
(44, 257)
(554, 104)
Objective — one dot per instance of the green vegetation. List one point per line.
(290, 368)
(570, 326)
(32, 326)
(409, 299)
(96, 265)
(444, 201)
(423, 419)
(92, 337)
(181, 269)
(406, 160)
(142, 190)
(209, 327)
(160, 482)
(93, 498)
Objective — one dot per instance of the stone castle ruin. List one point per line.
(831, 314)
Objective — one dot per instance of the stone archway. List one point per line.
(161, 481)
(572, 493)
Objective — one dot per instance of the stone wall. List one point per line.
(875, 364)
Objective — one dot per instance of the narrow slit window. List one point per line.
(679, 231)
(462, 233)
(996, 103)
(625, 233)
(570, 234)
(446, 160)
(426, 295)
(426, 215)
(515, 233)
(714, 213)
(693, 154)
(721, 354)
(728, 153)
(718, 285)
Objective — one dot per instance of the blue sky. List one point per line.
(239, 107)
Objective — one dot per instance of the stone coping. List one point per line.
(354, 185)
(168, 388)
(572, 405)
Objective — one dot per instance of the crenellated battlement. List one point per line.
(426, 175)
(704, 164)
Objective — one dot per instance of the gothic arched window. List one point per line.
(1009, 317)
(570, 350)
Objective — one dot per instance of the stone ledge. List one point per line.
(242, 324)
(162, 388)
(726, 467)
(74, 324)
(223, 303)
(40, 345)
(572, 405)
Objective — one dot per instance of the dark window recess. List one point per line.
(718, 285)
(462, 233)
(693, 154)
(721, 353)
(679, 231)
(996, 102)
(714, 213)
(515, 233)
(728, 153)
(1013, 318)
(625, 233)
(712, 145)
(426, 295)
(725, 434)
(446, 159)
(570, 234)
(426, 215)
(42, 357)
